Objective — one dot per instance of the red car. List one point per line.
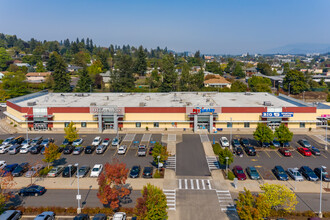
(239, 173)
(304, 151)
(285, 152)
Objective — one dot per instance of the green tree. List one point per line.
(238, 86)
(51, 154)
(283, 134)
(122, 78)
(60, 76)
(263, 133)
(223, 153)
(169, 74)
(265, 69)
(71, 132)
(14, 84)
(185, 78)
(214, 67)
(238, 71)
(40, 67)
(4, 59)
(152, 205)
(279, 196)
(199, 79)
(161, 151)
(296, 80)
(141, 62)
(3, 94)
(259, 84)
(52, 61)
(84, 83)
(328, 97)
(286, 68)
(95, 68)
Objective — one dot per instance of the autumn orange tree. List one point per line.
(111, 184)
(6, 184)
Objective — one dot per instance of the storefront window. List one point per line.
(246, 124)
(83, 124)
(156, 125)
(302, 124)
(66, 124)
(229, 124)
(138, 124)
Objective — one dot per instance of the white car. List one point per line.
(77, 142)
(8, 141)
(2, 164)
(3, 104)
(106, 142)
(97, 169)
(4, 149)
(119, 216)
(224, 142)
(295, 174)
(97, 141)
(122, 149)
(26, 142)
(25, 149)
(115, 142)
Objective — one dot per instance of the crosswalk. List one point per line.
(225, 200)
(129, 137)
(213, 163)
(146, 138)
(171, 162)
(170, 198)
(204, 138)
(195, 184)
(322, 138)
(171, 137)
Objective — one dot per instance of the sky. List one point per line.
(211, 26)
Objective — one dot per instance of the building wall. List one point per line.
(155, 117)
(73, 117)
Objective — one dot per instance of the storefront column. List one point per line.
(195, 123)
(100, 122)
(211, 124)
(115, 121)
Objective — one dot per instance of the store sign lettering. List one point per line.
(203, 110)
(105, 110)
(325, 116)
(277, 114)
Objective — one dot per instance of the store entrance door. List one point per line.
(108, 126)
(273, 123)
(40, 126)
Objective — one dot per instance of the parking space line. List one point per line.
(267, 154)
(278, 153)
(209, 184)
(203, 184)
(186, 183)
(300, 154)
(180, 184)
(197, 184)
(114, 154)
(192, 183)
(324, 156)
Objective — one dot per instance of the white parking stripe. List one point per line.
(197, 184)
(208, 181)
(192, 183)
(180, 184)
(203, 184)
(186, 183)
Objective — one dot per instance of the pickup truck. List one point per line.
(142, 150)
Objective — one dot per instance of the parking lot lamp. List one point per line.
(231, 132)
(320, 212)
(78, 194)
(227, 166)
(158, 157)
(326, 134)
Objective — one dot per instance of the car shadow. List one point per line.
(85, 200)
(61, 161)
(15, 201)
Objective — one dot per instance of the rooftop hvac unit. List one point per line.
(31, 103)
(188, 103)
(93, 104)
(267, 103)
(248, 93)
(148, 98)
(142, 104)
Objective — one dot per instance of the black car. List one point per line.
(90, 149)
(308, 173)
(147, 172)
(69, 171)
(250, 151)
(325, 175)
(245, 142)
(286, 144)
(8, 169)
(100, 216)
(34, 190)
(315, 151)
(20, 169)
(304, 143)
(17, 140)
(235, 143)
(150, 150)
(81, 217)
(68, 149)
(280, 173)
(265, 144)
(36, 149)
(135, 172)
(238, 151)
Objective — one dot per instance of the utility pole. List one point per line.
(78, 195)
(326, 134)
(231, 133)
(320, 212)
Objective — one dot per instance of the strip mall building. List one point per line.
(179, 110)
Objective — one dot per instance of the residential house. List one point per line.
(72, 68)
(37, 77)
(251, 71)
(218, 82)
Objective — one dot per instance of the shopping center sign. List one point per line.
(277, 114)
(202, 110)
(104, 110)
(325, 116)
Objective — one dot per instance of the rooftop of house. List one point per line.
(217, 80)
(42, 74)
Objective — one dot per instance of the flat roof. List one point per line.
(173, 99)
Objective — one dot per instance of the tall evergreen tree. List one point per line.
(85, 82)
(185, 79)
(60, 76)
(51, 62)
(122, 78)
(169, 74)
(141, 62)
(199, 79)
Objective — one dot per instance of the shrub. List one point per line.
(231, 175)
(11, 123)
(45, 171)
(147, 128)
(310, 129)
(272, 147)
(15, 125)
(308, 213)
(216, 148)
(159, 174)
(1, 141)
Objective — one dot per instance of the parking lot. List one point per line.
(130, 158)
(266, 160)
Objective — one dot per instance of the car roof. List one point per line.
(97, 165)
(279, 167)
(237, 167)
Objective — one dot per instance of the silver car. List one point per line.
(14, 149)
(34, 170)
(295, 174)
(101, 149)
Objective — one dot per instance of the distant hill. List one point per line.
(300, 48)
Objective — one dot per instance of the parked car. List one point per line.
(14, 149)
(36, 141)
(4, 149)
(47, 141)
(308, 173)
(304, 151)
(78, 150)
(11, 215)
(122, 149)
(253, 173)
(17, 140)
(101, 149)
(276, 143)
(8, 169)
(147, 172)
(3, 105)
(97, 141)
(2, 164)
(280, 173)
(46, 216)
(119, 216)
(238, 151)
(116, 142)
(315, 151)
(69, 170)
(151, 149)
(250, 151)
(239, 173)
(55, 171)
(7, 141)
(77, 142)
(142, 150)
(106, 142)
(25, 149)
(235, 143)
(36, 149)
(34, 170)
(90, 149)
(97, 169)
(26, 142)
(325, 175)
(295, 174)
(34, 190)
(265, 144)
(224, 142)
(100, 216)
(304, 143)
(135, 172)
(285, 152)
(66, 142)
(43, 149)
(81, 217)
(83, 171)
(245, 142)
(286, 144)
(20, 169)
(68, 149)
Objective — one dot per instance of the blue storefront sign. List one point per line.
(277, 114)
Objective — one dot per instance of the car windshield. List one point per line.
(135, 169)
(245, 141)
(25, 142)
(280, 170)
(8, 139)
(77, 140)
(82, 169)
(96, 169)
(115, 140)
(287, 151)
(305, 142)
(239, 171)
(7, 168)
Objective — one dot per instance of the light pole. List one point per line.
(227, 166)
(320, 212)
(231, 132)
(78, 194)
(158, 157)
(326, 134)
